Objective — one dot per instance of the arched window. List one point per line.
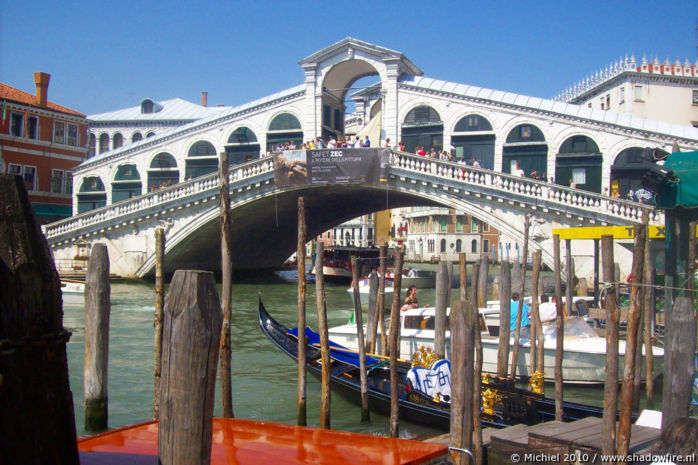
(473, 246)
(242, 146)
(118, 140)
(126, 184)
(136, 137)
(525, 145)
(91, 194)
(580, 160)
(470, 142)
(150, 134)
(422, 127)
(163, 171)
(201, 160)
(459, 245)
(443, 245)
(92, 147)
(284, 128)
(103, 143)
(148, 106)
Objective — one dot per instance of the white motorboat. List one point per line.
(73, 291)
(364, 291)
(423, 279)
(584, 358)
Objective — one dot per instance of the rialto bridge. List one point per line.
(265, 215)
(601, 151)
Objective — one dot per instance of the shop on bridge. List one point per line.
(526, 146)
(473, 137)
(579, 160)
(423, 127)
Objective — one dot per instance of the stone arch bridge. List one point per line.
(265, 216)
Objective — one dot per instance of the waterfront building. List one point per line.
(113, 129)
(42, 142)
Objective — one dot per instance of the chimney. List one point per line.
(204, 99)
(41, 82)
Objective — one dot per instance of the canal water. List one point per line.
(264, 379)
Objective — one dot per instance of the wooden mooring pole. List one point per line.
(373, 313)
(37, 421)
(359, 320)
(325, 394)
(462, 345)
(380, 303)
(440, 304)
(519, 314)
(302, 342)
(610, 395)
(648, 323)
(559, 328)
(478, 289)
(187, 390)
(157, 324)
(462, 277)
(395, 344)
(504, 318)
(97, 310)
(629, 367)
(484, 274)
(226, 287)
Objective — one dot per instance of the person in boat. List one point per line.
(547, 310)
(515, 310)
(411, 300)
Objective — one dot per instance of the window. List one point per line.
(103, 143)
(29, 176)
(695, 97)
(474, 226)
(57, 181)
(579, 176)
(525, 131)
(73, 135)
(68, 182)
(14, 169)
(118, 140)
(33, 128)
(486, 246)
(92, 146)
(443, 224)
(621, 95)
(638, 93)
(608, 101)
(459, 223)
(443, 245)
(485, 227)
(59, 133)
(473, 246)
(459, 245)
(136, 137)
(16, 124)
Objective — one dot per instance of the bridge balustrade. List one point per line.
(626, 210)
(159, 198)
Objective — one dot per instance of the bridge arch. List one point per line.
(526, 144)
(91, 194)
(163, 169)
(202, 159)
(242, 145)
(422, 126)
(469, 145)
(627, 170)
(580, 159)
(282, 127)
(126, 183)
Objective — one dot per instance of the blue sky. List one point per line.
(104, 56)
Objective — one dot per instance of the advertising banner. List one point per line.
(331, 166)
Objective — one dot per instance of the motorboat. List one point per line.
(73, 291)
(422, 279)
(337, 262)
(584, 357)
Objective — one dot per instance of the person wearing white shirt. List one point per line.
(547, 310)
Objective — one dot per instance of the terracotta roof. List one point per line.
(9, 93)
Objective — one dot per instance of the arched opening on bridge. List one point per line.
(91, 195)
(136, 137)
(242, 146)
(627, 171)
(201, 160)
(103, 143)
(163, 171)
(473, 137)
(526, 146)
(336, 84)
(284, 128)
(580, 160)
(126, 184)
(423, 127)
(118, 140)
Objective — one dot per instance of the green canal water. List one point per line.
(264, 379)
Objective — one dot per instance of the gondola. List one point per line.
(512, 405)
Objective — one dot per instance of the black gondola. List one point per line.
(514, 405)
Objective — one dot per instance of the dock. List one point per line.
(554, 442)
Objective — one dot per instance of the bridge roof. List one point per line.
(224, 114)
(552, 106)
(172, 109)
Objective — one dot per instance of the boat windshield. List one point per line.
(575, 328)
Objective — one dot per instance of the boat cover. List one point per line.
(345, 355)
(434, 381)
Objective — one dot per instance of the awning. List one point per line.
(682, 190)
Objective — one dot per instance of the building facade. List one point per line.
(43, 142)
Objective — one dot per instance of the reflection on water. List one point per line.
(264, 379)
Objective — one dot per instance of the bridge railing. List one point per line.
(624, 209)
(171, 194)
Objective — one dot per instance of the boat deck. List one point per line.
(247, 442)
